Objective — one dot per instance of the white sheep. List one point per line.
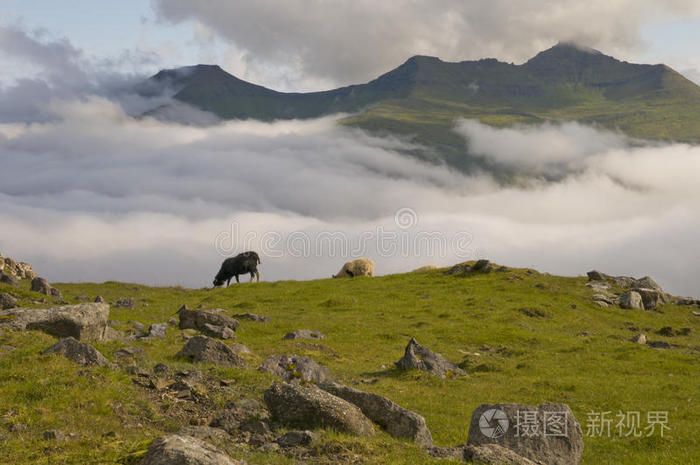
(426, 268)
(359, 267)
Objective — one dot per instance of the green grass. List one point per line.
(367, 323)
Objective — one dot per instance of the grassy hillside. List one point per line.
(522, 336)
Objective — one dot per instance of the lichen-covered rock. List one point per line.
(83, 321)
(418, 357)
(295, 369)
(198, 319)
(207, 350)
(7, 301)
(8, 279)
(304, 334)
(548, 434)
(394, 419)
(79, 352)
(184, 450)
(631, 300)
(308, 407)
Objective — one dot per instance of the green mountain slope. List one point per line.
(522, 337)
(424, 96)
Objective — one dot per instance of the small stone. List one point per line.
(125, 302)
(304, 334)
(99, 299)
(18, 428)
(640, 339)
(296, 438)
(53, 434)
(157, 330)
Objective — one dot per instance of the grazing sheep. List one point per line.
(359, 267)
(246, 262)
(426, 268)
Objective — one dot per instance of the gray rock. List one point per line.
(158, 330)
(205, 433)
(7, 301)
(304, 334)
(508, 425)
(651, 298)
(197, 319)
(460, 268)
(483, 266)
(184, 450)
(82, 321)
(639, 339)
(54, 435)
(79, 352)
(597, 276)
(41, 285)
(296, 438)
(607, 299)
(647, 283)
(240, 348)
(221, 332)
(129, 352)
(295, 369)
(631, 300)
(99, 299)
(252, 317)
(81, 298)
(231, 418)
(206, 350)
(449, 453)
(125, 302)
(687, 301)
(8, 279)
(172, 321)
(659, 345)
(394, 419)
(418, 357)
(493, 454)
(308, 407)
(56, 293)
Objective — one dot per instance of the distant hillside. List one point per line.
(424, 96)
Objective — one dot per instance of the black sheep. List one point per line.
(246, 262)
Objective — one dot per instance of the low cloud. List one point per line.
(94, 194)
(308, 45)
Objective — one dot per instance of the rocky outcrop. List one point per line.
(296, 369)
(184, 450)
(304, 334)
(8, 279)
(480, 266)
(86, 321)
(394, 419)
(418, 357)
(79, 352)
(308, 407)
(207, 350)
(19, 270)
(296, 438)
(206, 321)
(548, 434)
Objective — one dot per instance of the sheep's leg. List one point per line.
(257, 273)
(237, 279)
(228, 282)
(251, 276)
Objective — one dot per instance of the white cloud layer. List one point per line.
(329, 42)
(92, 194)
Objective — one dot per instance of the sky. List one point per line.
(90, 193)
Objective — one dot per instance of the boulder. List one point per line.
(184, 450)
(597, 276)
(296, 369)
(549, 433)
(83, 321)
(394, 419)
(640, 339)
(252, 317)
(157, 330)
(207, 350)
(99, 299)
(7, 301)
(41, 285)
(308, 407)
(296, 438)
(221, 332)
(651, 298)
(631, 300)
(234, 415)
(493, 454)
(125, 302)
(8, 279)
(460, 268)
(197, 319)
(79, 352)
(483, 266)
(688, 301)
(304, 334)
(418, 357)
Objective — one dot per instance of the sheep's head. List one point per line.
(218, 282)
